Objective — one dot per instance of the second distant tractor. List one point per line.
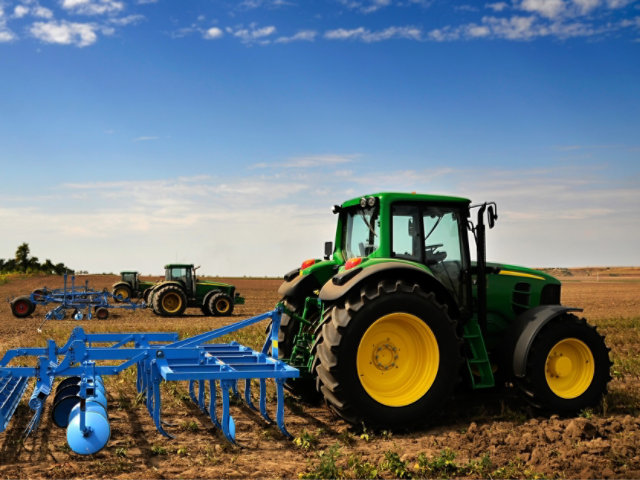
(180, 290)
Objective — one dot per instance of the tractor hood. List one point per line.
(519, 271)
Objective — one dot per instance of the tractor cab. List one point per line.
(423, 230)
(131, 278)
(184, 274)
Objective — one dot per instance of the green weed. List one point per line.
(326, 466)
(306, 440)
(392, 463)
(361, 468)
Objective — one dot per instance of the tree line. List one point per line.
(24, 263)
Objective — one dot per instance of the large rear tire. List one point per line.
(169, 301)
(389, 356)
(567, 367)
(122, 292)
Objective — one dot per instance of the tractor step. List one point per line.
(478, 363)
(11, 392)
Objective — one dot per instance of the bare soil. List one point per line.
(481, 434)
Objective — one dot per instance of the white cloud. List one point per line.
(547, 8)
(253, 34)
(213, 33)
(497, 7)
(301, 36)
(368, 36)
(145, 139)
(585, 6)
(20, 11)
(42, 12)
(128, 20)
(93, 7)
(318, 160)
(65, 33)
(6, 35)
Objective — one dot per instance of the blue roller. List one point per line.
(88, 430)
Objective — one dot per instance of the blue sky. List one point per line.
(134, 133)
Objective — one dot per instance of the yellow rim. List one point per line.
(171, 302)
(222, 305)
(122, 292)
(569, 368)
(398, 359)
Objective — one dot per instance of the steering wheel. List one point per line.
(432, 248)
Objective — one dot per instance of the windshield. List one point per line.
(362, 232)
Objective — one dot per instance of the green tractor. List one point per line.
(130, 287)
(389, 325)
(181, 290)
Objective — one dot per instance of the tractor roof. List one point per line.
(128, 271)
(389, 197)
(179, 265)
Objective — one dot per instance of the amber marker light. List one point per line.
(352, 262)
(307, 263)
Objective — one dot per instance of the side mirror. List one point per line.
(492, 216)
(328, 250)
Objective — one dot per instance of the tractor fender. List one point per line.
(118, 284)
(340, 285)
(169, 282)
(298, 286)
(525, 329)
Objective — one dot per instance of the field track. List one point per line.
(491, 434)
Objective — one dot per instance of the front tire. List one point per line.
(169, 301)
(567, 367)
(389, 356)
(220, 304)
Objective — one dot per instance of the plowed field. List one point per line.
(488, 434)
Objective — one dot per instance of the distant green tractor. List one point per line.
(388, 327)
(130, 287)
(181, 290)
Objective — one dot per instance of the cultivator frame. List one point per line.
(158, 357)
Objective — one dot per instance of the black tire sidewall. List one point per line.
(449, 359)
(163, 292)
(546, 340)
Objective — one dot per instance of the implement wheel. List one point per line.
(169, 301)
(568, 366)
(220, 304)
(22, 307)
(389, 356)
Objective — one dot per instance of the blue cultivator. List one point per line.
(83, 302)
(80, 403)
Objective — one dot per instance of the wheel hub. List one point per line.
(560, 366)
(384, 355)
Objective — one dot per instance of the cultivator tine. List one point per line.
(228, 424)
(192, 391)
(212, 404)
(247, 394)
(201, 400)
(11, 391)
(156, 410)
(280, 407)
(34, 422)
(263, 400)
